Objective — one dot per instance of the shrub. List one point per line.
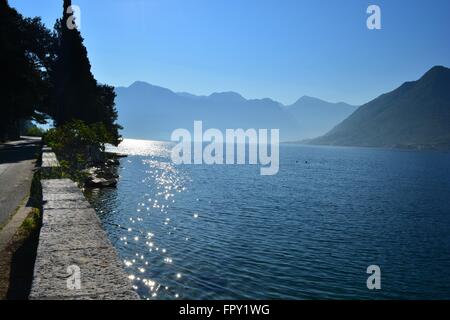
(78, 145)
(76, 136)
(34, 131)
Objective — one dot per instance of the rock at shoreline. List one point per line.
(115, 155)
(101, 182)
(102, 177)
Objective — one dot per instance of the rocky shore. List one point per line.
(103, 172)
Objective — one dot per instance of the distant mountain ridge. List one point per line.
(151, 112)
(309, 111)
(415, 115)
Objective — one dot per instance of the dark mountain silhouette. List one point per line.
(415, 115)
(151, 112)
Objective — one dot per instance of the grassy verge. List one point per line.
(17, 259)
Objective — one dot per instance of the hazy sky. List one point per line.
(260, 48)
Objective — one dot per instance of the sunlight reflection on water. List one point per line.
(163, 181)
(134, 147)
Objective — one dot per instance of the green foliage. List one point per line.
(77, 135)
(34, 131)
(78, 145)
(32, 222)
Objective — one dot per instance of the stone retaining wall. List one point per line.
(50, 167)
(75, 259)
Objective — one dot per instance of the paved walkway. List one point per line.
(17, 160)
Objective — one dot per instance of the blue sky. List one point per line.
(281, 49)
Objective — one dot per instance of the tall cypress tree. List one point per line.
(74, 84)
(76, 92)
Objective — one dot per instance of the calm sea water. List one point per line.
(310, 232)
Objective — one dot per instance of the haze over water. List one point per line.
(309, 232)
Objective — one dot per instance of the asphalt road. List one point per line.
(17, 162)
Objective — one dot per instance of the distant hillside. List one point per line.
(415, 115)
(152, 112)
(315, 117)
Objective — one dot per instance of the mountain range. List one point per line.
(415, 115)
(152, 112)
